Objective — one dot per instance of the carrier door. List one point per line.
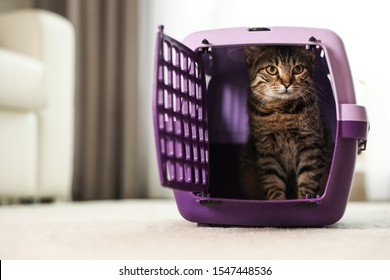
(179, 115)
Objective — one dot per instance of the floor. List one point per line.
(153, 229)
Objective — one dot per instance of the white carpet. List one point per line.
(153, 229)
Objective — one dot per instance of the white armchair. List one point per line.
(37, 76)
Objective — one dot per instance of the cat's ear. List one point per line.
(251, 52)
(310, 55)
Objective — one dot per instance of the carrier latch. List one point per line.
(314, 42)
(206, 49)
(312, 200)
(362, 144)
(355, 124)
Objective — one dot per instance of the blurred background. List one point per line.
(109, 151)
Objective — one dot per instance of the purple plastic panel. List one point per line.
(179, 114)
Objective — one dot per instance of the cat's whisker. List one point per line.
(306, 100)
(321, 91)
(310, 93)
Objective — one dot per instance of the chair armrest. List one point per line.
(21, 81)
(29, 31)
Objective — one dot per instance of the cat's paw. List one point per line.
(276, 195)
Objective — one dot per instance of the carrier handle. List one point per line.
(354, 124)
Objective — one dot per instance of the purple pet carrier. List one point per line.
(201, 125)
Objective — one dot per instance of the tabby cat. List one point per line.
(288, 152)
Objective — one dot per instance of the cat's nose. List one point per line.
(286, 84)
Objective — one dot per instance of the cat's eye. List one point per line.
(272, 70)
(298, 69)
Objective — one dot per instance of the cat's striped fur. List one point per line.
(287, 153)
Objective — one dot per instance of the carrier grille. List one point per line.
(180, 116)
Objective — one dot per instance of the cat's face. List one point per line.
(280, 72)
